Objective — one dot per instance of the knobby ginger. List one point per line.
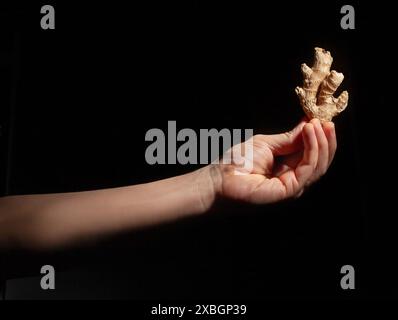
(316, 95)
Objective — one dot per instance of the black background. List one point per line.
(83, 96)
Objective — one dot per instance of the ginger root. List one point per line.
(316, 95)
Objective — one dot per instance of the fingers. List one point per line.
(286, 143)
(308, 164)
(319, 148)
(294, 180)
(330, 134)
(323, 150)
(287, 163)
(327, 145)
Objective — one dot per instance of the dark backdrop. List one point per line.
(83, 96)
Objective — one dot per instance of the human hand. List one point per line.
(283, 165)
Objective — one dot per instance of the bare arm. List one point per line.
(283, 166)
(52, 220)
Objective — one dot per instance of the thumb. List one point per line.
(287, 142)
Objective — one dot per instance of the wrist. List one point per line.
(209, 183)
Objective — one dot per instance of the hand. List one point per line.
(283, 164)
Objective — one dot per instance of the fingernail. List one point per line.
(328, 124)
(309, 127)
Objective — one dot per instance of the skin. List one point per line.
(283, 166)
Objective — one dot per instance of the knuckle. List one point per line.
(288, 134)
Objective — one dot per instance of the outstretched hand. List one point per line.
(283, 165)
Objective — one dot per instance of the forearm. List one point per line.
(51, 220)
